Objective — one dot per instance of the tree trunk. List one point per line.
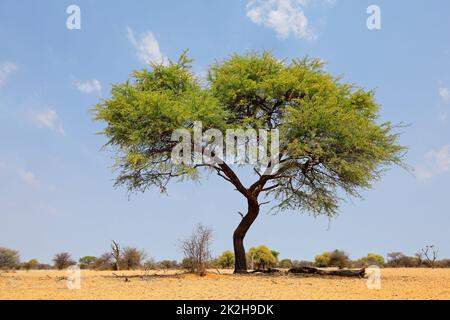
(239, 235)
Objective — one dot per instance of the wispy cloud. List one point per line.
(285, 17)
(48, 119)
(441, 158)
(444, 93)
(90, 86)
(20, 173)
(147, 47)
(6, 69)
(437, 162)
(28, 177)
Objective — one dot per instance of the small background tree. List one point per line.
(431, 254)
(9, 259)
(116, 254)
(445, 263)
(132, 258)
(151, 264)
(104, 262)
(400, 260)
(63, 260)
(339, 259)
(87, 262)
(32, 264)
(196, 249)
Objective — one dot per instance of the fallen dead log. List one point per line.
(146, 276)
(339, 273)
(266, 271)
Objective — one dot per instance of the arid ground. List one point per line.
(160, 285)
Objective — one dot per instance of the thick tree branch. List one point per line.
(233, 178)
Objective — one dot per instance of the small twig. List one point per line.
(61, 279)
(263, 203)
(257, 172)
(270, 188)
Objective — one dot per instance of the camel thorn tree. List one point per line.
(331, 141)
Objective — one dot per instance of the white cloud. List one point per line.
(147, 47)
(438, 162)
(48, 119)
(444, 93)
(440, 158)
(422, 173)
(286, 17)
(90, 86)
(5, 70)
(28, 177)
(24, 175)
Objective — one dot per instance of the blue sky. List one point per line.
(56, 190)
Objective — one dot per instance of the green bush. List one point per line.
(167, 264)
(399, 260)
(32, 264)
(336, 258)
(445, 263)
(323, 260)
(188, 264)
(285, 264)
(261, 258)
(226, 260)
(370, 260)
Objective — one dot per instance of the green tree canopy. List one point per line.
(87, 262)
(226, 260)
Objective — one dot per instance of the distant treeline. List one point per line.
(261, 257)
